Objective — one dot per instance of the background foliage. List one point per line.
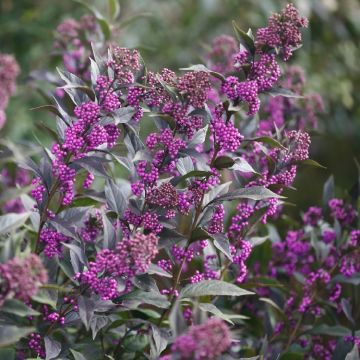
(161, 29)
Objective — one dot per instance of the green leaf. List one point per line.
(123, 115)
(139, 297)
(213, 287)
(265, 282)
(52, 108)
(10, 334)
(169, 237)
(86, 310)
(52, 348)
(85, 89)
(244, 38)
(354, 279)
(159, 341)
(328, 190)
(200, 234)
(17, 307)
(97, 323)
(157, 270)
(93, 164)
(7, 353)
(292, 356)
(346, 307)
(115, 199)
(134, 344)
(242, 165)
(44, 128)
(257, 240)
(12, 221)
(46, 296)
(12, 193)
(105, 27)
(169, 89)
(253, 193)
(272, 303)
(109, 233)
(312, 162)
(198, 138)
(114, 9)
(222, 243)
(280, 91)
(185, 165)
(194, 173)
(336, 330)
(223, 162)
(77, 355)
(201, 67)
(267, 140)
(211, 308)
(353, 354)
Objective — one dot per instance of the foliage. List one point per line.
(144, 231)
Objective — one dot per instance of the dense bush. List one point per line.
(145, 231)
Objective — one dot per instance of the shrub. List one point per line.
(148, 207)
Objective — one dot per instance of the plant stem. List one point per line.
(180, 268)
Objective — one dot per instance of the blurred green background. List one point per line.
(173, 33)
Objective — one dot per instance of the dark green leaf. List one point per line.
(17, 307)
(93, 164)
(346, 307)
(211, 308)
(271, 303)
(292, 356)
(97, 323)
(11, 334)
(198, 138)
(185, 165)
(267, 140)
(223, 162)
(114, 9)
(214, 288)
(336, 330)
(201, 67)
(279, 91)
(86, 310)
(45, 296)
(240, 164)
(7, 354)
(51, 108)
(105, 27)
(145, 282)
(123, 115)
(244, 38)
(222, 243)
(353, 354)
(312, 162)
(196, 173)
(139, 297)
(328, 190)
(52, 348)
(157, 270)
(354, 279)
(257, 240)
(253, 193)
(85, 89)
(169, 237)
(159, 341)
(12, 221)
(109, 233)
(115, 199)
(200, 234)
(77, 355)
